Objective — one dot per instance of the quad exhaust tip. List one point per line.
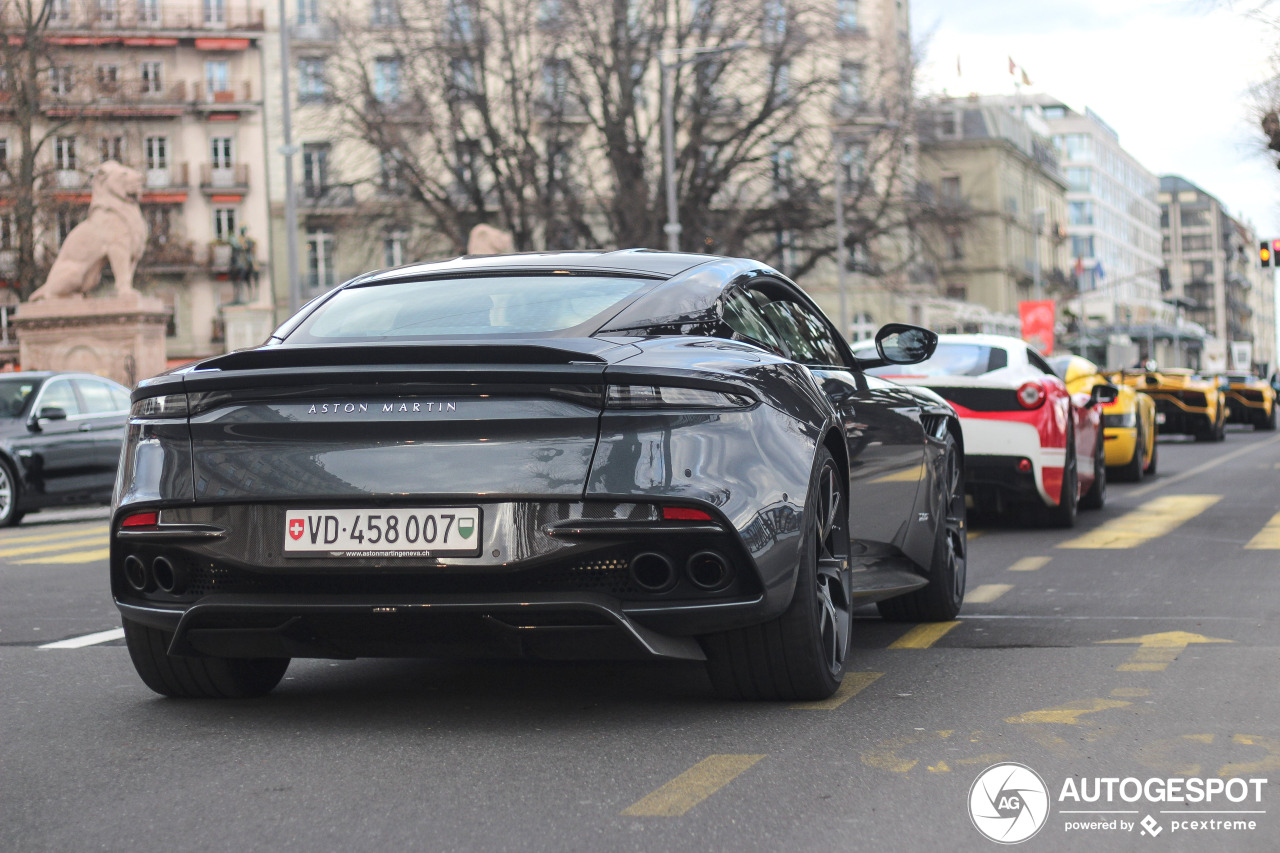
(652, 571)
(168, 578)
(135, 573)
(708, 570)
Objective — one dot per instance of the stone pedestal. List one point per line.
(120, 337)
(247, 325)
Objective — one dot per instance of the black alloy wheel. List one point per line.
(942, 598)
(1096, 497)
(799, 656)
(1131, 471)
(1150, 470)
(197, 677)
(1064, 514)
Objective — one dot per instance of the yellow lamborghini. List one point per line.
(1129, 423)
(1186, 402)
(1250, 400)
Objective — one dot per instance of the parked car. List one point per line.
(1128, 422)
(60, 439)
(1250, 400)
(1186, 403)
(567, 455)
(1029, 443)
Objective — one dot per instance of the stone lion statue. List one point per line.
(487, 240)
(114, 232)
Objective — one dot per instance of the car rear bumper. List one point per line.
(1121, 444)
(994, 449)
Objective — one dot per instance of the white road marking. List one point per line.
(87, 640)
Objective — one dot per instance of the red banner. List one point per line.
(1038, 319)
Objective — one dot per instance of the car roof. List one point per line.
(1004, 341)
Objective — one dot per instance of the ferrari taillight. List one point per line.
(1031, 395)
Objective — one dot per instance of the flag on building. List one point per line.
(1026, 81)
(1098, 272)
(1012, 65)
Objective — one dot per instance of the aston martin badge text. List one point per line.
(350, 408)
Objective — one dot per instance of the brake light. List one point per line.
(681, 513)
(142, 519)
(1031, 395)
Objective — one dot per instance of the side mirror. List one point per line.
(898, 343)
(1103, 394)
(52, 413)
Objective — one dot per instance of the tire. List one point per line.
(1220, 431)
(800, 655)
(198, 677)
(1064, 514)
(1131, 471)
(1155, 454)
(1267, 421)
(1096, 497)
(9, 494)
(942, 598)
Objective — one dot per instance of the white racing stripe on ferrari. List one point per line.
(985, 437)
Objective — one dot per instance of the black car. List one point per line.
(568, 455)
(60, 438)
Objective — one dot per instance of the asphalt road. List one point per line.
(1140, 645)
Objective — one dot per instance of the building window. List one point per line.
(1075, 146)
(315, 169)
(64, 154)
(783, 161)
(853, 162)
(1196, 242)
(1079, 178)
(111, 148)
(156, 151)
(949, 190)
(217, 75)
(846, 15)
(1192, 217)
(222, 152)
(555, 81)
(1082, 247)
(311, 80)
(955, 245)
(461, 20)
(393, 247)
(60, 80)
(108, 79)
(550, 13)
(1080, 212)
(308, 12)
(152, 74)
(384, 13)
(386, 80)
(850, 91)
(148, 11)
(774, 24)
(782, 89)
(390, 171)
(4, 156)
(320, 273)
(108, 11)
(59, 12)
(224, 223)
(466, 169)
(67, 219)
(215, 12)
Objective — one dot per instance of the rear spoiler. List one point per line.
(358, 355)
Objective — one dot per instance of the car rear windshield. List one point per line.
(14, 394)
(951, 360)
(464, 307)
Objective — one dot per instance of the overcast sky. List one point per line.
(1170, 76)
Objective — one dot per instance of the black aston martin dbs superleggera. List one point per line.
(577, 454)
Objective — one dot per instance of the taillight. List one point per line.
(1031, 395)
(668, 397)
(142, 519)
(684, 513)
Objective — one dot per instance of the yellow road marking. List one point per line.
(923, 636)
(64, 533)
(987, 593)
(853, 684)
(58, 546)
(1030, 564)
(1149, 521)
(73, 557)
(1068, 714)
(910, 475)
(692, 786)
(1268, 538)
(1156, 651)
(1268, 764)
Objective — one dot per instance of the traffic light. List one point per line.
(1264, 253)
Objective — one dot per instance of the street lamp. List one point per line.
(669, 60)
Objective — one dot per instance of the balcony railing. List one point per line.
(214, 178)
(232, 92)
(328, 197)
(173, 176)
(98, 16)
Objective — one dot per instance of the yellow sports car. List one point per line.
(1186, 402)
(1250, 400)
(1129, 423)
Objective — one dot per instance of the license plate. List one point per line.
(427, 532)
(1160, 417)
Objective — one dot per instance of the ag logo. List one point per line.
(1008, 803)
